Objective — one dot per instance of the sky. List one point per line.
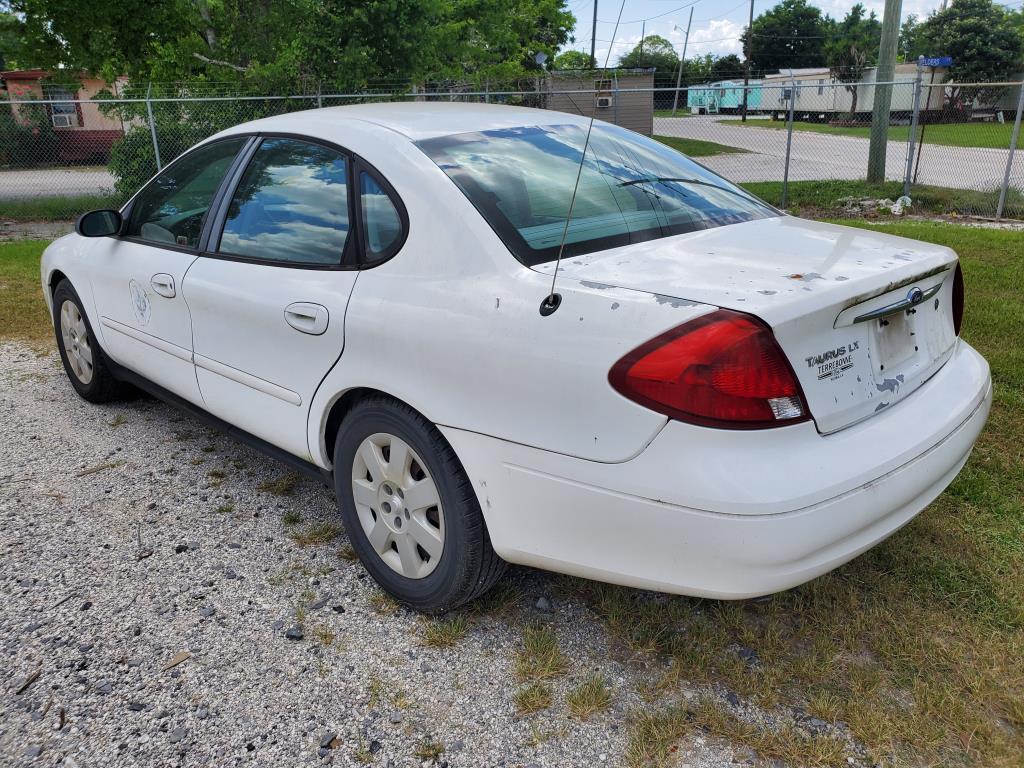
(717, 24)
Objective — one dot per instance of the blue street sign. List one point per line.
(935, 61)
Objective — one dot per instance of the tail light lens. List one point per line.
(958, 299)
(723, 369)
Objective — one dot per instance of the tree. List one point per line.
(285, 44)
(726, 68)
(574, 60)
(910, 32)
(981, 39)
(653, 51)
(790, 35)
(853, 47)
(12, 33)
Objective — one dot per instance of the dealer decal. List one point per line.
(832, 363)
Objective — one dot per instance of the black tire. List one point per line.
(102, 387)
(468, 565)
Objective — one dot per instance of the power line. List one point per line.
(658, 16)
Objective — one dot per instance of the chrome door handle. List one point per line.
(306, 317)
(163, 284)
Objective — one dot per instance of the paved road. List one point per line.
(54, 182)
(824, 156)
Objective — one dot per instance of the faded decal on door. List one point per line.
(140, 303)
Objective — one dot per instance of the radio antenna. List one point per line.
(553, 300)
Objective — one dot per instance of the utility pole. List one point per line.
(593, 39)
(884, 73)
(746, 66)
(679, 75)
(643, 31)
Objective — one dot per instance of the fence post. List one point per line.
(319, 98)
(487, 91)
(615, 85)
(789, 138)
(913, 129)
(152, 129)
(1009, 160)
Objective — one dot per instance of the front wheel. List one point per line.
(409, 509)
(83, 359)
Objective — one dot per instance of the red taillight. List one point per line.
(958, 299)
(723, 369)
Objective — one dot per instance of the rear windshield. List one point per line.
(631, 188)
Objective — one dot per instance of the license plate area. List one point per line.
(894, 342)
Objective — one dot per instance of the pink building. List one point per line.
(83, 132)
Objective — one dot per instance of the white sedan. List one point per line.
(710, 398)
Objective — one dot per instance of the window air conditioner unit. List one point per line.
(62, 121)
(604, 102)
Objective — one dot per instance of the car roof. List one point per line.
(418, 120)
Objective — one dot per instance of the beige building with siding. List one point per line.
(611, 96)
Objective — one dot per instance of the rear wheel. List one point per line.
(83, 359)
(409, 508)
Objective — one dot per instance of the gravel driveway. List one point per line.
(149, 589)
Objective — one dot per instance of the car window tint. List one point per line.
(172, 207)
(381, 220)
(631, 188)
(291, 205)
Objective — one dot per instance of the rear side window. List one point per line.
(382, 223)
(171, 209)
(631, 188)
(291, 205)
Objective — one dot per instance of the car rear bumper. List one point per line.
(727, 514)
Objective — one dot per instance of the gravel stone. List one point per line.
(327, 738)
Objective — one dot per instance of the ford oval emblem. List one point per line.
(915, 295)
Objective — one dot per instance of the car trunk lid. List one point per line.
(863, 317)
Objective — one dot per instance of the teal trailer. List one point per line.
(725, 97)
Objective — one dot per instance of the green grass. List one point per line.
(22, 311)
(280, 486)
(816, 198)
(56, 208)
(989, 135)
(683, 111)
(696, 147)
(540, 658)
(589, 697)
(444, 632)
(316, 533)
(532, 698)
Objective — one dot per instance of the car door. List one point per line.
(136, 277)
(268, 297)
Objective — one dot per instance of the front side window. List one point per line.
(631, 188)
(290, 206)
(172, 208)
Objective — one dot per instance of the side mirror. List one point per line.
(98, 223)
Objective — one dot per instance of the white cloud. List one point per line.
(718, 36)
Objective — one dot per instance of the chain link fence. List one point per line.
(950, 148)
